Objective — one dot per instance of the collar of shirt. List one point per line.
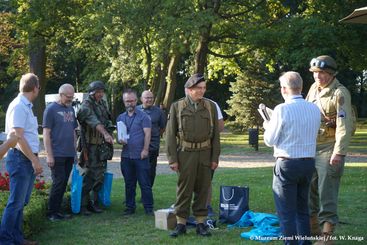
(294, 97)
(25, 101)
(194, 104)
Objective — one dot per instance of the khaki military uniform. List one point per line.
(194, 149)
(91, 114)
(335, 133)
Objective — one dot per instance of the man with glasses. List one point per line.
(334, 102)
(158, 119)
(22, 161)
(59, 138)
(135, 166)
(96, 130)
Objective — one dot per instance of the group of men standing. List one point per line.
(60, 142)
(192, 146)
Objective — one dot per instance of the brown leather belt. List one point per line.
(301, 159)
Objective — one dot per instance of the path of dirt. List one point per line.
(248, 160)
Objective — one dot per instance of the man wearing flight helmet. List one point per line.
(96, 131)
(334, 102)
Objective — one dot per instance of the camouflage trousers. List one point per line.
(94, 174)
(325, 186)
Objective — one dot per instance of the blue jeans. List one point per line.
(21, 184)
(137, 170)
(291, 184)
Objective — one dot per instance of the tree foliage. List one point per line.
(157, 44)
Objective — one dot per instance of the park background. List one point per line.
(241, 46)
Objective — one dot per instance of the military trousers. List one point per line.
(194, 180)
(94, 174)
(325, 186)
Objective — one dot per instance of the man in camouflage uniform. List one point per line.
(334, 102)
(193, 148)
(96, 129)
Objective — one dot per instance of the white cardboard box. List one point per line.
(165, 219)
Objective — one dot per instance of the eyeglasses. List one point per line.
(70, 97)
(320, 64)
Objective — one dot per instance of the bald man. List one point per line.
(158, 118)
(59, 124)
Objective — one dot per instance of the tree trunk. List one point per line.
(171, 79)
(161, 83)
(202, 50)
(37, 65)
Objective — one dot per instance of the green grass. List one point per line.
(113, 228)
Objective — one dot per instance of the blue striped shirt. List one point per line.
(293, 128)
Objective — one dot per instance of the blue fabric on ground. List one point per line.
(263, 223)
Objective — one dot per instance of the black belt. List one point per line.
(302, 158)
(16, 150)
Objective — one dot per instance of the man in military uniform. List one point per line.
(334, 102)
(96, 132)
(193, 148)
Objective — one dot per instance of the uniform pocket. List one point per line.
(187, 121)
(336, 170)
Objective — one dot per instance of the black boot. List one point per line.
(180, 230)
(85, 211)
(93, 207)
(202, 230)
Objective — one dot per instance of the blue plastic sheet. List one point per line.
(264, 226)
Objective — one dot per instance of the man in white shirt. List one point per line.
(22, 161)
(292, 131)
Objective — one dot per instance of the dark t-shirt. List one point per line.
(159, 121)
(62, 122)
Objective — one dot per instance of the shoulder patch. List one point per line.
(341, 101)
(342, 114)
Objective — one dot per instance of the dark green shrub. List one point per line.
(34, 212)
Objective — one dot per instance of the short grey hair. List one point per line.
(292, 80)
(66, 87)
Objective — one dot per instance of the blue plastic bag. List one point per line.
(104, 195)
(76, 190)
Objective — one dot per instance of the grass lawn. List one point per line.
(111, 227)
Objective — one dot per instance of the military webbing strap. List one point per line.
(195, 145)
(354, 114)
(181, 104)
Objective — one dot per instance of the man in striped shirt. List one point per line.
(292, 131)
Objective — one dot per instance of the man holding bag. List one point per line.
(292, 131)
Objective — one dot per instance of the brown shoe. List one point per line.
(29, 242)
(327, 232)
(315, 226)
